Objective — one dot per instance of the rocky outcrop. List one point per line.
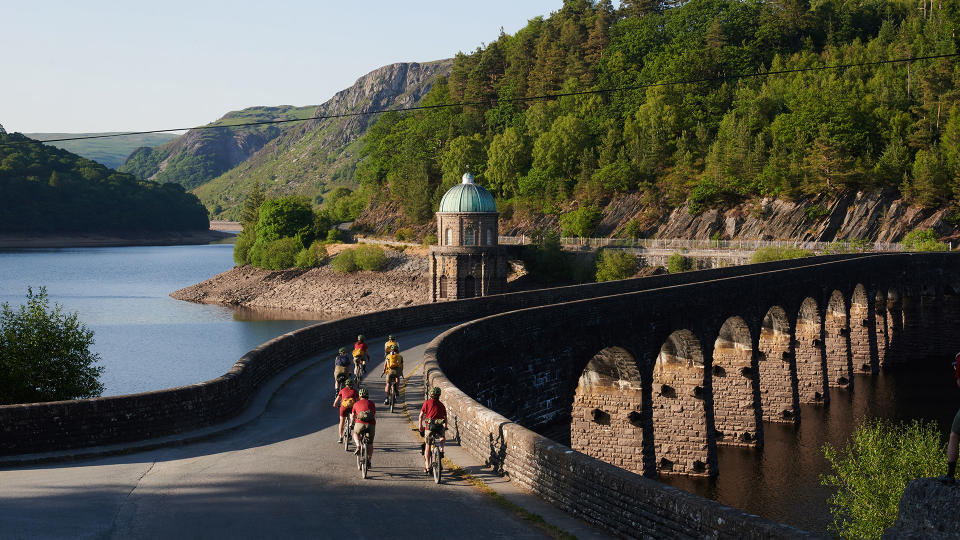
(309, 157)
(2, 131)
(874, 216)
(928, 509)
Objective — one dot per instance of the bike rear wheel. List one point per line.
(436, 465)
(347, 432)
(362, 459)
(393, 400)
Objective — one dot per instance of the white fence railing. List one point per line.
(688, 244)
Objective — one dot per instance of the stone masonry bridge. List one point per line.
(646, 375)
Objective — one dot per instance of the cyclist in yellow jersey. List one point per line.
(391, 342)
(392, 369)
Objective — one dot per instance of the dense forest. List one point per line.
(715, 142)
(48, 190)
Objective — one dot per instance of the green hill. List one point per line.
(202, 154)
(111, 151)
(49, 190)
(715, 142)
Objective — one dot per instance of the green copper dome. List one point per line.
(467, 197)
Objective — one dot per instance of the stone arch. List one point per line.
(859, 329)
(894, 326)
(837, 341)
(809, 354)
(679, 411)
(774, 364)
(608, 419)
(732, 376)
(880, 325)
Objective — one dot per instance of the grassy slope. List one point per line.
(107, 151)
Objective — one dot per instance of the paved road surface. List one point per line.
(282, 475)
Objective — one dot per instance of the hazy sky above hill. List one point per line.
(99, 66)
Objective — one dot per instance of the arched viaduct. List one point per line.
(649, 374)
(653, 381)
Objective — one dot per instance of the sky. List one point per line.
(132, 65)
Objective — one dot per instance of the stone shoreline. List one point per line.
(321, 291)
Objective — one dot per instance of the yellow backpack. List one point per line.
(394, 361)
(347, 402)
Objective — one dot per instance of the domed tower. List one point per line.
(467, 261)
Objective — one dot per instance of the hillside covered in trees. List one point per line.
(714, 142)
(48, 190)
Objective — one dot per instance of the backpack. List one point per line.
(347, 403)
(365, 416)
(394, 361)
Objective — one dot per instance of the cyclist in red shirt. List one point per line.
(433, 422)
(360, 356)
(365, 413)
(347, 397)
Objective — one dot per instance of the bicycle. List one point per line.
(341, 379)
(436, 460)
(394, 393)
(347, 431)
(363, 458)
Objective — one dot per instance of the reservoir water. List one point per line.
(146, 340)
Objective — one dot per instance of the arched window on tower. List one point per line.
(468, 236)
(449, 239)
(490, 240)
(443, 284)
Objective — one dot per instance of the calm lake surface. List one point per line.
(781, 482)
(146, 340)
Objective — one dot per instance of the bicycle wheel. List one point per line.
(436, 465)
(363, 459)
(347, 432)
(393, 400)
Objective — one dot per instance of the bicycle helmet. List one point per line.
(391, 337)
(343, 350)
(348, 382)
(435, 392)
(394, 348)
(360, 337)
(364, 393)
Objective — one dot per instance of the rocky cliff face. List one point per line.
(308, 158)
(2, 131)
(875, 216)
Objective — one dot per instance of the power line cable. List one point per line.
(717, 78)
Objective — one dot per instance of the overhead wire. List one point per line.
(492, 101)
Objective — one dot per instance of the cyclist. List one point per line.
(433, 421)
(391, 342)
(360, 355)
(341, 367)
(365, 413)
(347, 397)
(393, 370)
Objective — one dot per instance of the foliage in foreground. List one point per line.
(770, 254)
(923, 240)
(871, 472)
(613, 265)
(45, 354)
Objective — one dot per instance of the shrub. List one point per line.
(633, 230)
(580, 222)
(241, 248)
(612, 265)
(816, 212)
(45, 354)
(769, 254)
(923, 240)
(285, 217)
(334, 236)
(430, 240)
(871, 472)
(276, 255)
(403, 234)
(678, 263)
(370, 258)
(345, 262)
(313, 256)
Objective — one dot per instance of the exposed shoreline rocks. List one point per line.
(26, 240)
(321, 291)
